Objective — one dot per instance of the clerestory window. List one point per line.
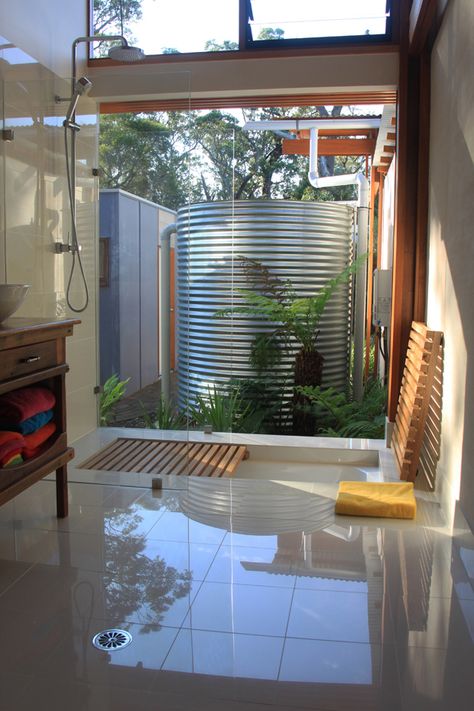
(195, 26)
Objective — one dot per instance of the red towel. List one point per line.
(19, 405)
(9, 442)
(34, 442)
(9, 436)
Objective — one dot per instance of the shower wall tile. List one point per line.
(34, 214)
(81, 357)
(81, 409)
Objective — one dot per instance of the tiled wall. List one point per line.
(34, 214)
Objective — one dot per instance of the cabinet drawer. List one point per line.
(15, 362)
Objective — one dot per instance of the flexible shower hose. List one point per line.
(74, 245)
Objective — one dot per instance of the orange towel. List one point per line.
(34, 441)
(10, 442)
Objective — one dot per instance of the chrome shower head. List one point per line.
(126, 53)
(81, 87)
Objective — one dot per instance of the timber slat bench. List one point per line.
(168, 457)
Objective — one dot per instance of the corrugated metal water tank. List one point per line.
(304, 242)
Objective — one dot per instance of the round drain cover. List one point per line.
(110, 640)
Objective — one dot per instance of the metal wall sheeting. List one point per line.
(305, 242)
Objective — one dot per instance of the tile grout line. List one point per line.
(286, 629)
(31, 565)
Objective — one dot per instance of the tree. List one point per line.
(178, 157)
(271, 33)
(137, 153)
(225, 46)
(111, 15)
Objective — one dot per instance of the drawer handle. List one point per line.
(31, 359)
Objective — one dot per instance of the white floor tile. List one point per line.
(225, 620)
(252, 566)
(245, 609)
(175, 526)
(329, 615)
(326, 662)
(433, 679)
(224, 654)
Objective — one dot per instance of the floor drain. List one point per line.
(110, 640)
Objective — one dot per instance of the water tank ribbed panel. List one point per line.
(304, 242)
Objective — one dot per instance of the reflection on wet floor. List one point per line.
(238, 594)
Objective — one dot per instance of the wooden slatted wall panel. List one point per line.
(431, 444)
(168, 457)
(419, 375)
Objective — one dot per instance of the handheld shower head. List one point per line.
(81, 87)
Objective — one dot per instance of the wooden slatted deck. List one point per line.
(168, 457)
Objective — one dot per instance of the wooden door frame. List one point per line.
(420, 23)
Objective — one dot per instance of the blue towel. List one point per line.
(31, 424)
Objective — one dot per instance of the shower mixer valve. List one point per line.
(60, 248)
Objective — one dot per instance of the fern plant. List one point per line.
(225, 411)
(164, 417)
(337, 416)
(290, 319)
(276, 302)
(113, 391)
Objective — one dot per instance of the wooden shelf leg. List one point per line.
(61, 492)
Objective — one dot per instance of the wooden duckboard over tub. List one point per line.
(168, 457)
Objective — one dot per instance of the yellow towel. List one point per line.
(364, 498)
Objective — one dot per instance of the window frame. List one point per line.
(251, 49)
(311, 42)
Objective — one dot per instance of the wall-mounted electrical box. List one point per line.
(382, 305)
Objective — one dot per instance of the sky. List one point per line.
(187, 24)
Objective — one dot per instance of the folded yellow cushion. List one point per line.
(366, 498)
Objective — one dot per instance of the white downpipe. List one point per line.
(361, 287)
(358, 179)
(165, 309)
(313, 154)
(362, 183)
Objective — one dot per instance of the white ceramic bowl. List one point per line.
(11, 298)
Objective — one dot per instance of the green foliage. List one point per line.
(226, 411)
(189, 156)
(337, 416)
(165, 417)
(264, 396)
(113, 391)
(137, 154)
(271, 33)
(278, 305)
(110, 15)
(226, 46)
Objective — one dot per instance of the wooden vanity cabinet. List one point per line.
(33, 352)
